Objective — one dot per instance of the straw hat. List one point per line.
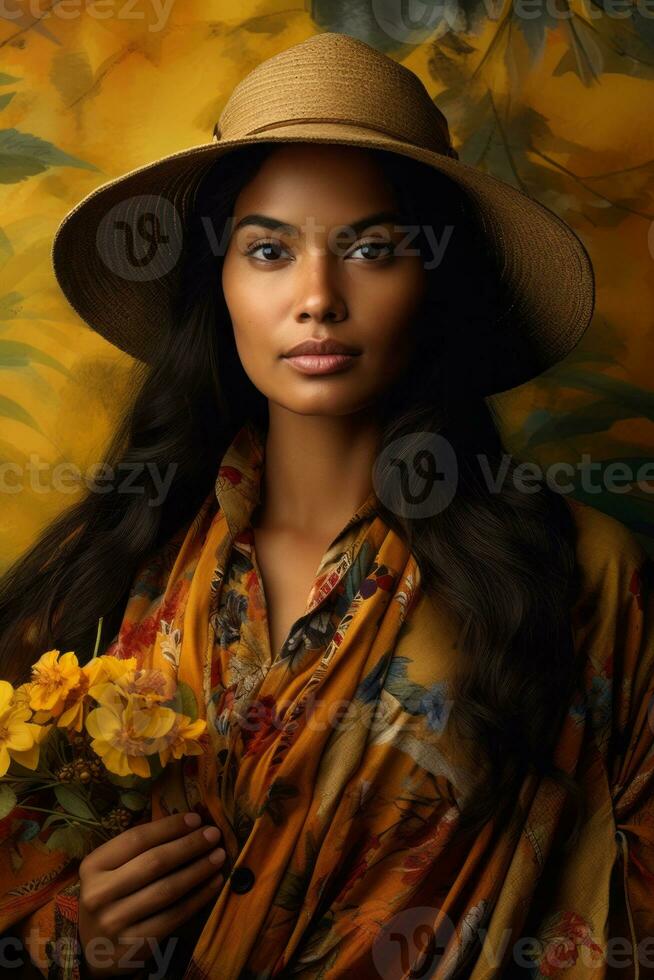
(337, 89)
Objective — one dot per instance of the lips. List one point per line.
(321, 347)
(320, 363)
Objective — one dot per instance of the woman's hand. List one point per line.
(137, 889)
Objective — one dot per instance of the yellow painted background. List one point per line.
(83, 98)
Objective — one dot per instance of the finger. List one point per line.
(150, 866)
(163, 924)
(133, 841)
(163, 892)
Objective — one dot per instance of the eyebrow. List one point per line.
(274, 224)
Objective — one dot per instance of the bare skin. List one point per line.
(312, 284)
(287, 594)
(140, 887)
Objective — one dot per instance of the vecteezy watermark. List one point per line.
(417, 475)
(44, 477)
(100, 952)
(415, 21)
(615, 476)
(341, 238)
(430, 711)
(141, 238)
(153, 12)
(409, 945)
(416, 942)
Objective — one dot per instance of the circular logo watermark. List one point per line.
(416, 475)
(409, 946)
(140, 239)
(414, 21)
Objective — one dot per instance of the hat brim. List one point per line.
(544, 268)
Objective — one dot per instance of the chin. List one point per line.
(326, 404)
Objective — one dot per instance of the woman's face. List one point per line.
(330, 275)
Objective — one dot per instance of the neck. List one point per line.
(317, 471)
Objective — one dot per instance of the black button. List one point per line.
(241, 880)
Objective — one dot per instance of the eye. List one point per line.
(373, 246)
(270, 243)
(376, 245)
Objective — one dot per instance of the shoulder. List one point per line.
(612, 612)
(610, 559)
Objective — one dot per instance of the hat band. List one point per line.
(445, 148)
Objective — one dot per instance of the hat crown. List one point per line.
(333, 77)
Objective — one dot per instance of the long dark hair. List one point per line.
(503, 562)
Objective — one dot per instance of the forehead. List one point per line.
(344, 181)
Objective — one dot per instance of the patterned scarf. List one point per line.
(285, 783)
(332, 782)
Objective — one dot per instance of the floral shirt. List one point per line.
(345, 862)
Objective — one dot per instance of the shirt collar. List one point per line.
(238, 485)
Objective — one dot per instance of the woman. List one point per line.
(419, 760)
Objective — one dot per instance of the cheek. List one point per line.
(392, 293)
(242, 301)
(392, 312)
(247, 307)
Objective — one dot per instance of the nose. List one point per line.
(319, 296)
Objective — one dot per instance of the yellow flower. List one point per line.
(181, 739)
(72, 709)
(52, 681)
(23, 695)
(114, 668)
(150, 684)
(18, 737)
(94, 674)
(125, 732)
(30, 757)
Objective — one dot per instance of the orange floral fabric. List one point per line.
(330, 772)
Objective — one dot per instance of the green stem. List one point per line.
(61, 813)
(79, 793)
(23, 779)
(97, 639)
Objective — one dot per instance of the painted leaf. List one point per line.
(185, 701)
(16, 354)
(68, 839)
(72, 802)
(10, 409)
(8, 800)
(23, 155)
(133, 800)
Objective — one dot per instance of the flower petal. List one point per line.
(19, 737)
(29, 758)
(6, 695)
(102, 723)
(115, 761)
(139, 765)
